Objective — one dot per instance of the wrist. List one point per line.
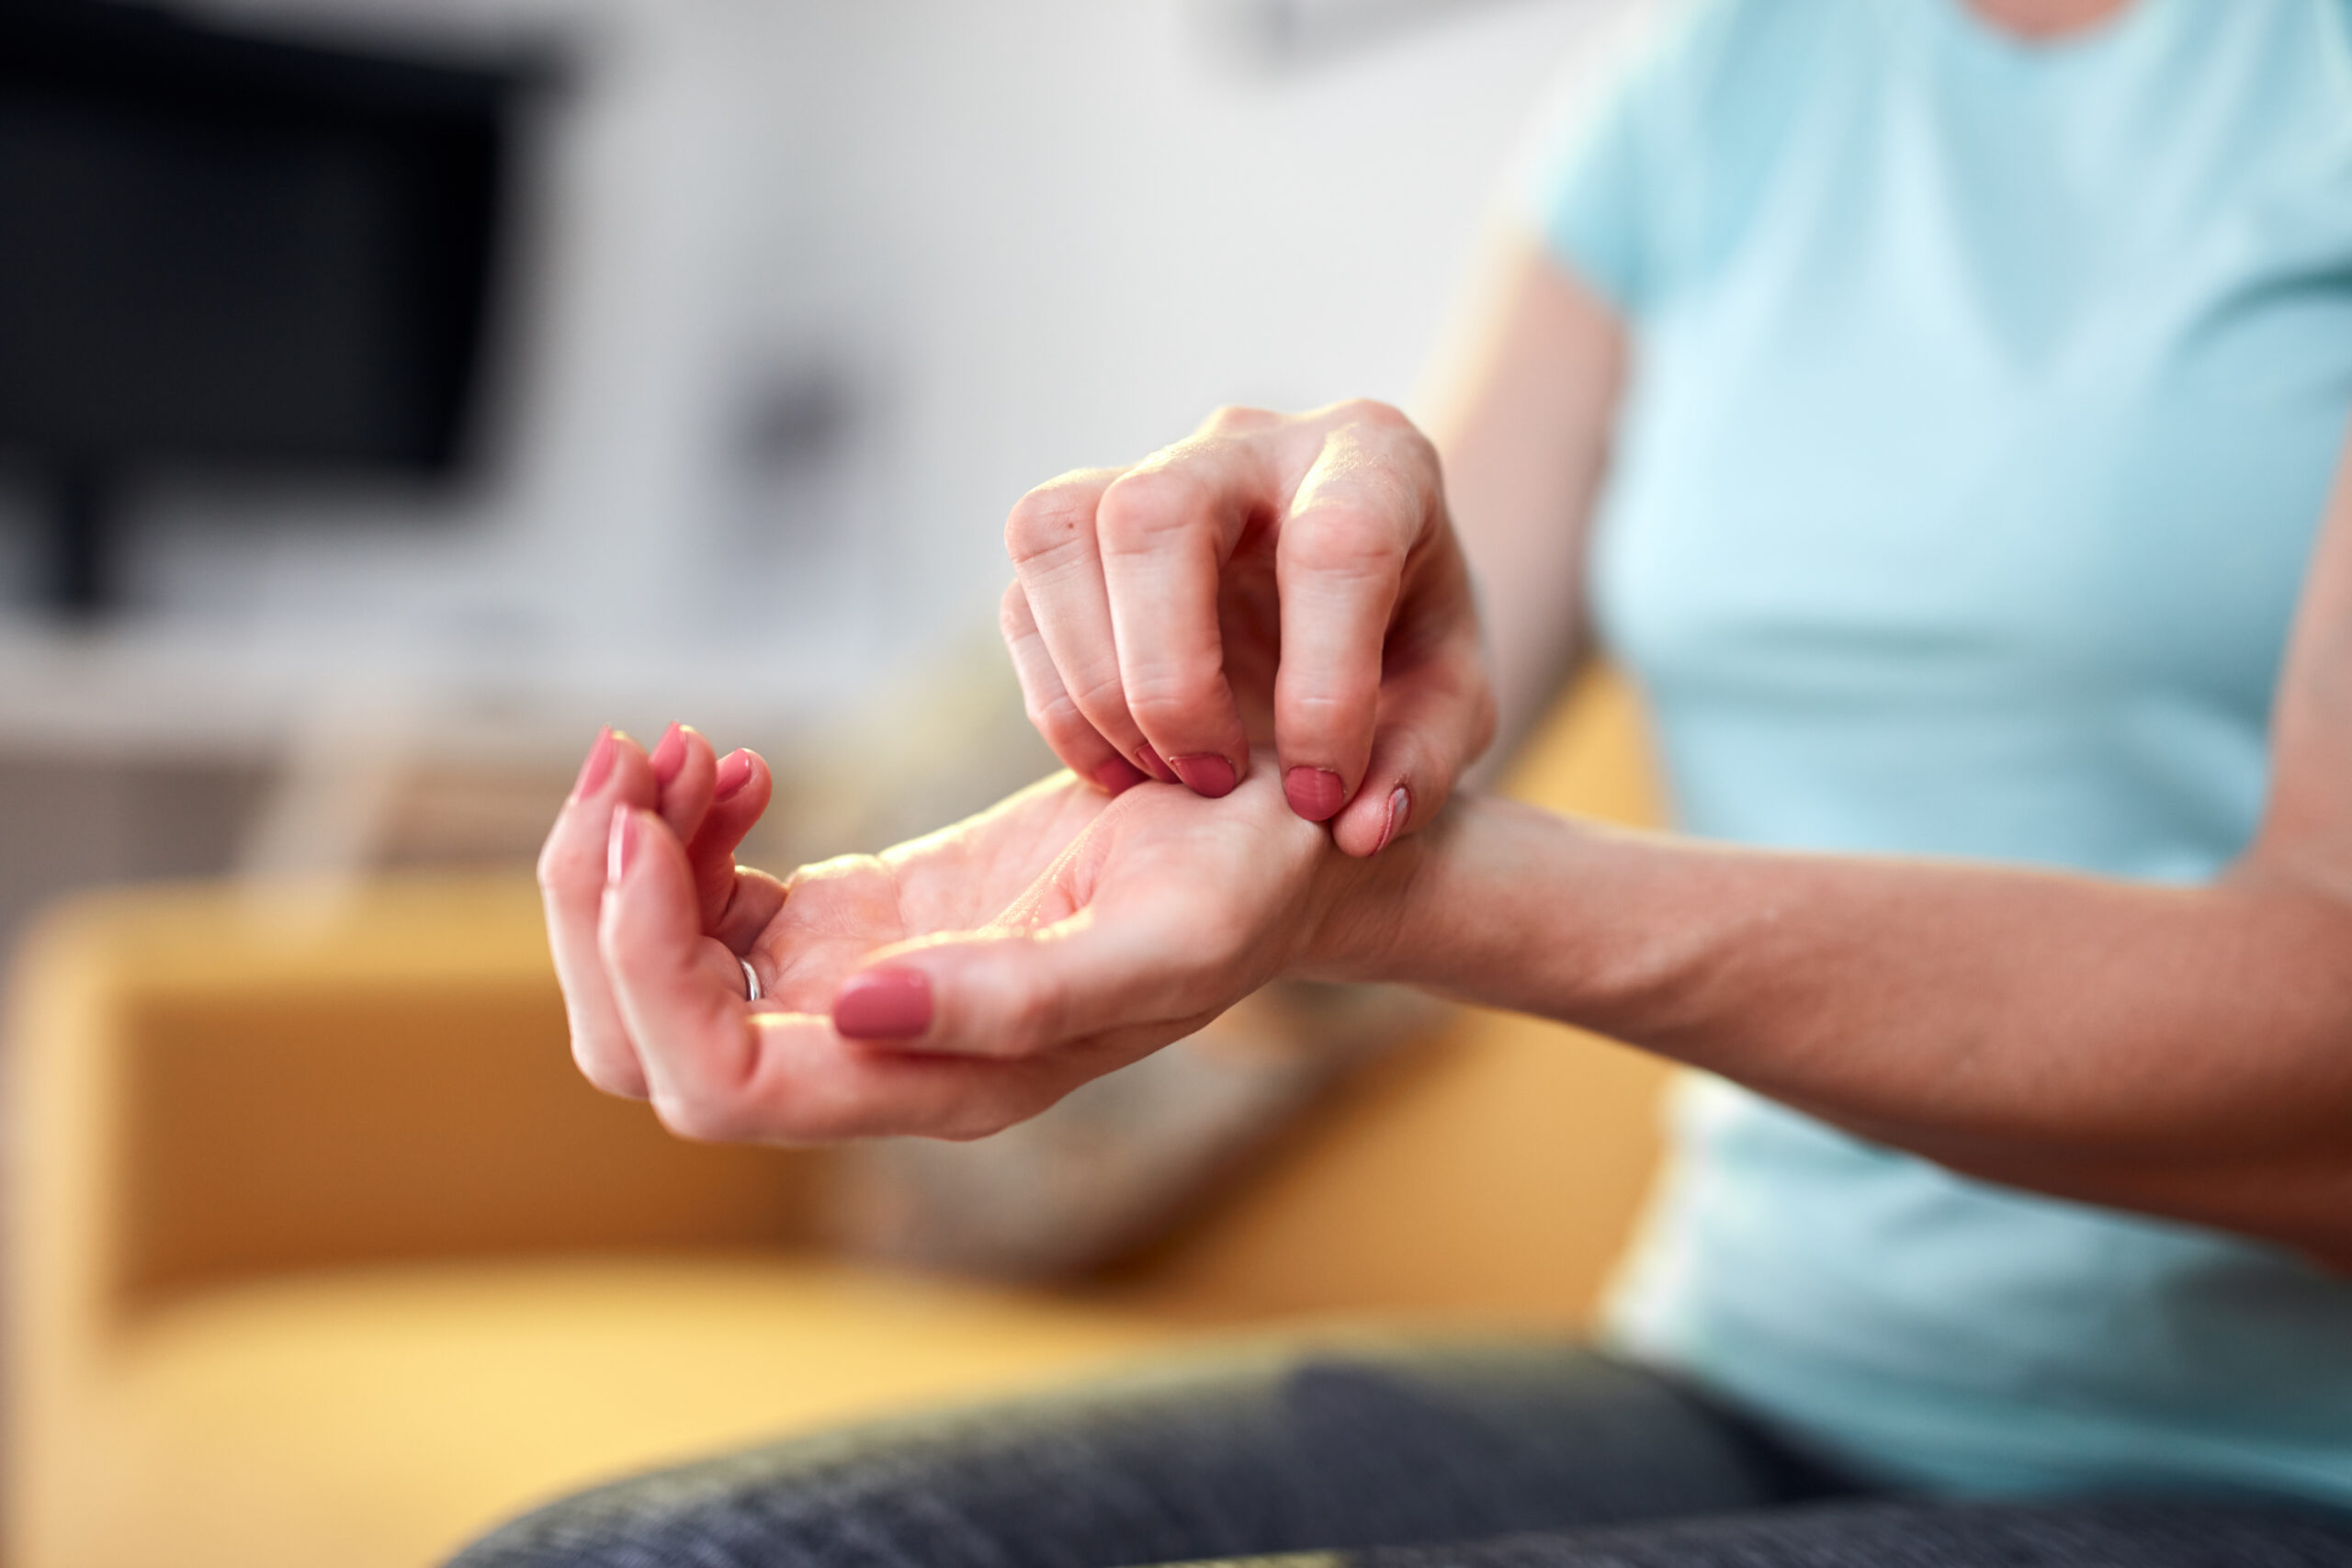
(1374, 918)
(1497, 904)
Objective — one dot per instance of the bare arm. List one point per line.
(2181, 1052)
(1521, 413)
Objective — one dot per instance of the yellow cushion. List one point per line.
(382, 1417)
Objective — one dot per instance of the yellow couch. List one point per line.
(318, 1252)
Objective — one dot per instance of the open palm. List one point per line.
(1058, 935)
(990, 874)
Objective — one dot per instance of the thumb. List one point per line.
(1433, 724)
(1015, 993)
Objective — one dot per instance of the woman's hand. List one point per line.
(1271, 576)
(949, 986)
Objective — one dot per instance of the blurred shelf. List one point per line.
(167, 691)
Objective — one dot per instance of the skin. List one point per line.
(2178, 1051)
(1292, 579)
(1063, 934)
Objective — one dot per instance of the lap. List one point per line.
(1888, 1534)
(1266, 1452)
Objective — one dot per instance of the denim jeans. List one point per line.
(1522, 1455)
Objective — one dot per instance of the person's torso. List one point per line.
(1987, 397)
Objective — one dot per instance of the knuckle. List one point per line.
(1147, 506)
(1370, 411)
(1234, 419)
(1058, 719)
(1046, 520)
(1177, 692)
(1388, 431)
(1341, 541)
(1102, 700)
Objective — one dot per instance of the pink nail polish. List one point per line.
(1400, 806)
(1152, 765)
(599, 765)
(1117, 777)
(1206, 774)
(734, 773)
(669, 756)
(1316, 793)
(620, 846)
(883, 1004)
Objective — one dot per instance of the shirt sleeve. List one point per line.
(1595, 179)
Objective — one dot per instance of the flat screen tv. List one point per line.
(225, 251)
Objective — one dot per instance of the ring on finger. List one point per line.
(752, 991)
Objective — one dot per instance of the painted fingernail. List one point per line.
(599, 765)
(620, 847)
(734, 773)
(1316, 793)
(1206, 774)
(1151, 764)
(1400, 806)
(1118, 775)
(883, 1004)
(669, 756)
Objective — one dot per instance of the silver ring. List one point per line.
(752, 992)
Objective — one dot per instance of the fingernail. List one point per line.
(599, 765)
(1153, 765)
(1316, 793)
(671, 754)
(883, 1004)
(1117, 775)
(1400, 806)
(734, 773)
(1206, 774)
(620, 847)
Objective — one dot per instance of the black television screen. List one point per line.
(218, 249)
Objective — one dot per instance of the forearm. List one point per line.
(2186, 1052)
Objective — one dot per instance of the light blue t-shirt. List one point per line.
(1986, 397)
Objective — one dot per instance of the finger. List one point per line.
(684, 766)
(1057, 565)
(1077, 743)
(716, 1070)
(740, 788)
(680, 994)
(1015, 994)
(1341, 562)
(1434, 721)
(571, 887)
(1166, 529)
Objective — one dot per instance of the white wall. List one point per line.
(1023, 234)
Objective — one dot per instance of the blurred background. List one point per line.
(783, 303)
(393, 391)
